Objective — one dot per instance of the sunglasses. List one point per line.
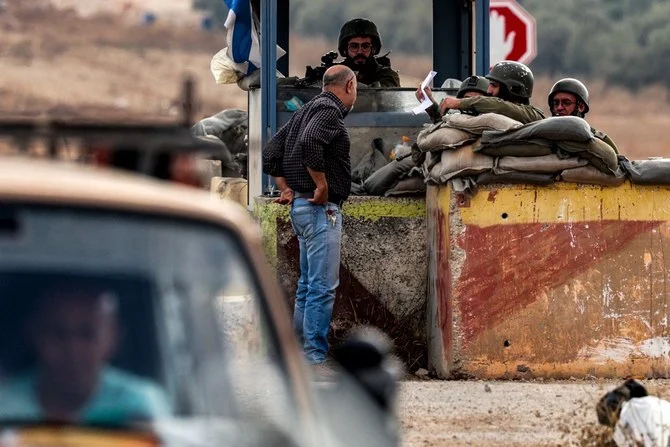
(563, 102)
(354, 46)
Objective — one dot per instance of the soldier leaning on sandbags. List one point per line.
(470, 87)
(570, 97)
(509, 91)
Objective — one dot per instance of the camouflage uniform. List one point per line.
(516, 87)
(374, 74)
(603, 136)
(524, 113)
(477, 84)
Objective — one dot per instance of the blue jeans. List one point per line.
(319, 241)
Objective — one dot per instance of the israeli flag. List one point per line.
(244, 47)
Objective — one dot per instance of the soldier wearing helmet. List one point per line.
(470, 87)
(360, 43)
(510, 88)
(570, 97)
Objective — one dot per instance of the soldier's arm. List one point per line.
(486, 104)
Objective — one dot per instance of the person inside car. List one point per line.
(74, 333)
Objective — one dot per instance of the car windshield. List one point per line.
(112, 319)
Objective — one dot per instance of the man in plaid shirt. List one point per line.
(309, 159)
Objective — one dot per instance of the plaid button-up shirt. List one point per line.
(314, 138)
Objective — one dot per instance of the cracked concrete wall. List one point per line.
(383, 267)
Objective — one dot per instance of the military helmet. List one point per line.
(572, 86)
(473, 84)
(358, 27)
(515, 76)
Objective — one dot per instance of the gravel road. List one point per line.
(492, 413)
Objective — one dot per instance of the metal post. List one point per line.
(452, 46)
(283, 17)
(268, 77)
(482, 37)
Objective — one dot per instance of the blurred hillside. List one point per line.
(70, 58)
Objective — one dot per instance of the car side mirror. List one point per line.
(367, 356)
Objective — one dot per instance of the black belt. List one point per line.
(303, 195)
(310, 195)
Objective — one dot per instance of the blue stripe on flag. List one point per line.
(241, 29)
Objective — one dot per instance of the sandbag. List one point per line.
(542, 164)
(476, 124)
(530, 178)
(431, 159)
(230, 126)
(457, 163)
(409, 186)
(440, 136)
(371, 162)
(557, 128)
(596, 151)
(648, 172)
(387, 177)
(593, 176)
(535, 148)
(464, 185)
(357, 189)
(229, 167)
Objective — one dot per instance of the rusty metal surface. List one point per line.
(558, 281)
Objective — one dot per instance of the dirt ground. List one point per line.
(492, 413)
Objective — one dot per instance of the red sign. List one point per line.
(512, 32)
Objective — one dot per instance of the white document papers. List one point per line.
(426, 103)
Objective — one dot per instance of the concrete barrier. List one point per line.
(560, 281)
(383, 268)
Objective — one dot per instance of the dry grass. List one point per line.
(53, 58)
(108, 65)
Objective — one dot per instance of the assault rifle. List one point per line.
(313, 75)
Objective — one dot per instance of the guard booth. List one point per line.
(384, 266)
(460, 49)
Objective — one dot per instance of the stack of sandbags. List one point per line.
(230, 128)
(655, 171)
(376, 175)
(558, 147)
(388, 177)
(373, 159)
(447, 149)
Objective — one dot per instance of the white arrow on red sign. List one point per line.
(512, 30)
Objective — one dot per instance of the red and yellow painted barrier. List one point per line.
(560, 281)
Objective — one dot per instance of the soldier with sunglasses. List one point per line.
(570, 97)
(360, 43)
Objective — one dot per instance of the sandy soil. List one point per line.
(478, 413)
